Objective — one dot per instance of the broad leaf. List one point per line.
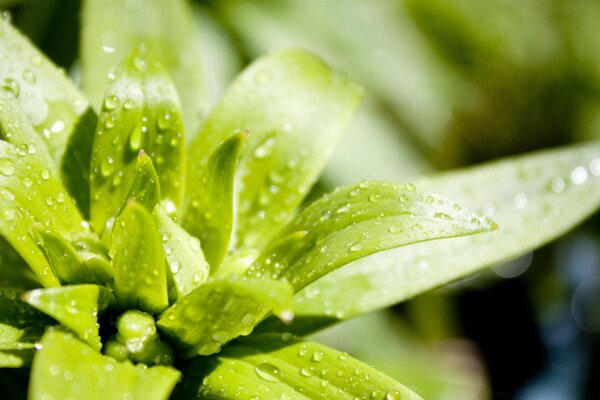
(291, 138)
(356, 221)
(111, 28)
(531, 197)
(139, 261)
(183, 252)
(53, 106)
(219, 311)
(69, 266)
(140, 111)
(76, 307)
(67, 368)
(215, 223)
(30, 194)
(275, 366)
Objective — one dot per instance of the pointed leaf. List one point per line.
(291, 138)
(145, 188)
(356, 221)
(219, 311)
(68, 265)
(214, 225)
(111, 28)
(140, 111)
(53, 106)
(139, 261)
(30, 194)
(273, 366)
(67, 368)
(531, 198)
(184, 256)
(76, 307)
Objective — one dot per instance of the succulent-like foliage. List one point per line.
(141, 266)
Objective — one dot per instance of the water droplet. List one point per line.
(288, 127)
(164, 121)
(12, 86)
(27, 182)
(36, 61)
(7, 195)
(7, 167)
(111, 102)
(307, 372)
(520, 200)
(8, 214)
(57, 126)
(107, 167)
(343, 209)
(374, 198)
(128, 104)
(557, 185)
(220, 336)
(267, 372)
(318, 356)
(29, 75)
(394, 229)
(265, 149)
(136, 136)
(248, 319)
(411, 187)
(140, 64)
(579, 175)
(594, 166)
(194, 244)
(393, 395)
(49, 201)
(356, 246)
(442, 215)
(45, 174)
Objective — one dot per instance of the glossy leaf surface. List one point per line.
(67, 368)
(145, 188)
(30, 194)
(291, 138)
(531, 198)
(140, 111)
(356, 221)
(219, 311)
(183, 253)
(112, 28)
(139, 261)
(275, 366)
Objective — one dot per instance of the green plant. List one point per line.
(189, 248)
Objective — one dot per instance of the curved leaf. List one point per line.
(531, 197)
(30, 194)
(184, 256)
(219, 311)
(145, 188)
(111, 28)
(140, 111)
(356, 221)
(291, 138)
(139, 261)
(273, 366)
(76, 307)
(66, 368)
(54, 107)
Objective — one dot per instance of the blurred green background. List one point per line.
(449, 83)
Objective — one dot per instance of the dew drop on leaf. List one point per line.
(8, 214)
(107, 167)
(111, 102)
(29, 75)
(7, 166)
(12, 86)
(267, 372)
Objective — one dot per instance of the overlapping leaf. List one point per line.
(53, 106)
(66, 368)
(356, 221)
(296, 110)
(219, 311)
(532, 199)
(140, 111)
(282, 367)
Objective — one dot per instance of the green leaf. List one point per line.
(68, 265)
(76, 307)
(275, 366)
(67, 368)
(112, 28)
(30, 194)
(145, 188)
(219, 311)
(140, 111)
(356, 221)
(139, 261)
(531, 198)
(184, 256)
(291, 138)
(53, 106)
(215, 223)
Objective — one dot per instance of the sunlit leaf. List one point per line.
(139, 260)
(215, 198)
(76, 307)
(53, 106)
(219, 311)
(68, 265)
(531, 197)
(183, 253)
(291, 138)
(140, 111)
(145, 188)
(275, 366)
(356, 221)
(112, 28)
(30, 194)
(67, 368)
